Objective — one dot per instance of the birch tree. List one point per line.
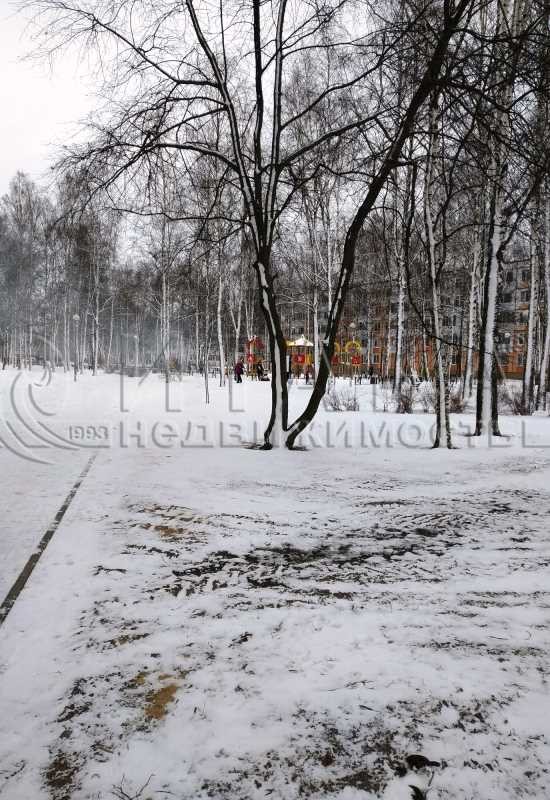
(435, 267)
(545, 256)
(509, 16)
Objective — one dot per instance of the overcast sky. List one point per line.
(39, 106)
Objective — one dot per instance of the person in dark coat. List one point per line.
(239, 370)
(259, 370)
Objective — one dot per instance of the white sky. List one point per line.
(39, 106)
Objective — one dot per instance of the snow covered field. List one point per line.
(215, 621)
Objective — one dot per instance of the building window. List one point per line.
(524, 295)
(525, 275)
(507, 297)
(509, 276)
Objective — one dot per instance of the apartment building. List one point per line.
(367, 339)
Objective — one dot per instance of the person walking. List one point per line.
(260, 371)
(238, 370)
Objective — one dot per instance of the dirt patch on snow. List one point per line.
(61, 776)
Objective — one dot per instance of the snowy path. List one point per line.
(31, 496)
(208, 623)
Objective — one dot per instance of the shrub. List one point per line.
(341, 400)
(406, 398)
(426, 396)
(509, 399)
(456, 400)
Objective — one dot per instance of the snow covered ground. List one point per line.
(215, 621)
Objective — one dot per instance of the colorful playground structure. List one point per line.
(346, 361)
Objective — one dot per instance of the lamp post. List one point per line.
(76, 320)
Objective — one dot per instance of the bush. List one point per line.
(406, 398)
(457, 403)
(341, 400)
(509, 399)
(426, 397)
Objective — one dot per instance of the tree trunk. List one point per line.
(96, 318)
(545, 255)
(315, 330)
(467, 387)
(274, 435)
(495, 430)
(206, 348)
(397, 380)
(528, 388)
(165, 328)
(508, 13)
(197, 343)
(237, 319)
(219, 327)
(443, 429)
(488, 312)
(111, 325)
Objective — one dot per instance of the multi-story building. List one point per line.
(367, 339)
(513, 318)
